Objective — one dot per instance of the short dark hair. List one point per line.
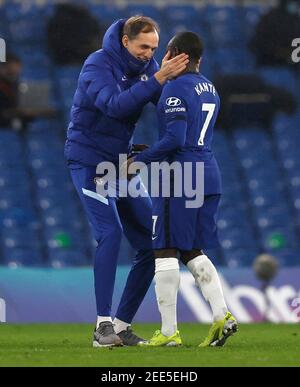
(137, 24)
(187, 42)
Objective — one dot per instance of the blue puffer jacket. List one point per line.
(113, 88)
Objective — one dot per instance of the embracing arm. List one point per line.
(103, 89)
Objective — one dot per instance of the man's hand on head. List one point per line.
(171, 68)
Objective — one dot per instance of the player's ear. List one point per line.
(125, 40)
(173, 51)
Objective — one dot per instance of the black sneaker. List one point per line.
(131, 339)
(105, 336)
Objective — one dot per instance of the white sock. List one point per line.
(167, 279)
(120, 325)
(100, 319)
(208, 281)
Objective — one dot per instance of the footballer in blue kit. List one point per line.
(187, 111)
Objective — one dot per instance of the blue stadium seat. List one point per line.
(56, 194)
(240, 257)
(75, 222)
(42, 152)
(107, 12)
(188, 18)
(286, 257)
(45, 155)
(229, 201)
(158, 14)
(18, 257)
(61, 258)
(273, 220)
(16, 180)
(229, 223)
(208, 66)
(225, 24)
(229, 172)
(183, 12)
(52, 171)
(233, 60)
(26, 21)
(280, 77)
(226, 160)
(8, 136)
(278, 237)
(40, 129)
(293, 175)
(251, 16)
(40, 163)
(275, 212)
(8, 221)
(288, 148)
(45, 203)
(36, 138)
(58, 205)
(291, 163)
(286, 125)
(266, 199)
(15, 201)
(239, 212)
(4, 27)
(247, 139)
(11, 238)
(268, 170)
(31, 73)
(58, 237)
(231, 188)
(10, 160)
(232, 238)
(293, 181)
(267, 182)
(250, 164)
(62, 211)
(20, 214)
(15, 196)
(69, 72)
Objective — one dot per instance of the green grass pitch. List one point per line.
(70, 345)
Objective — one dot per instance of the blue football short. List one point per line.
(175, 226)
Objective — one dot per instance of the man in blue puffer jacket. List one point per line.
(114, 85)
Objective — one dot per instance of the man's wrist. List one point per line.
(160, 77)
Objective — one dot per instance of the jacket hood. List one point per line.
(112, 44)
